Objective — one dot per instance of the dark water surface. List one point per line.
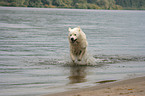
(34, 50)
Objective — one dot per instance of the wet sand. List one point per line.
(130, 87)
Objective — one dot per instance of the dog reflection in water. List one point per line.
(77, 74)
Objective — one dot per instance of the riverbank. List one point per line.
(77, 4)
(130, 87)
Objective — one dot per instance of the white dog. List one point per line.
(78, 44)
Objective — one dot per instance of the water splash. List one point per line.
(111, 59)
(86, 60)
(89, 60)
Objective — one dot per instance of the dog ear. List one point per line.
(69, 29)
(79, 28)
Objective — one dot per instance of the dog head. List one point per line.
(74, 34)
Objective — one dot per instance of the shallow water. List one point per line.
(34, 51)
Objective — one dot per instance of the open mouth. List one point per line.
(73, 40)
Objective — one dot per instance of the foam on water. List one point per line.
(88, 59)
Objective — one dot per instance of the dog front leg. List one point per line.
(72, 57)
(81, 55)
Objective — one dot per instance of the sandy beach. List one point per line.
(130, 87)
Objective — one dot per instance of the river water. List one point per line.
(34, 49)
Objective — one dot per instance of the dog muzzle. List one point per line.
(73, 40)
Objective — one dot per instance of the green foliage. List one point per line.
(81, 4)
(35, 3)
(62, 3)
(93, 6)
(131, 4)
(86, 6)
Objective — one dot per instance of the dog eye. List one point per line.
(70, 34)
(75, 34)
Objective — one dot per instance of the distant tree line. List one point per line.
(131, 4)
(80, 4)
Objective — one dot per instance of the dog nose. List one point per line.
(72, 39)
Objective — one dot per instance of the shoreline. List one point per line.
(74, 8)
(129, 87)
